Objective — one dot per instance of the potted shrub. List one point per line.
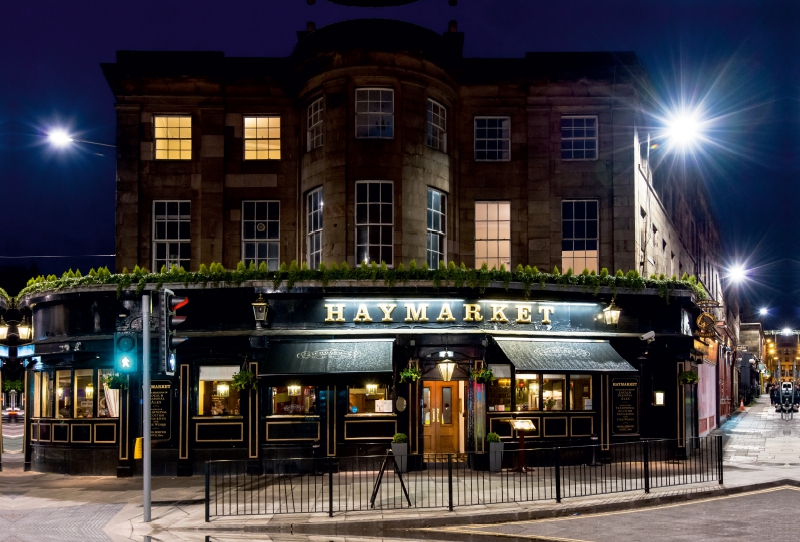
(688, 377)
(400, 451)
(495, 452)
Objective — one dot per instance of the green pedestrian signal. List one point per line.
(126, 353)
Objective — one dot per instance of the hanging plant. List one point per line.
(688, 377)
(483, 375)
(412, 374)
(116, 381)
(245, 380)
(13, 385)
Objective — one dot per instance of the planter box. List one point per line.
(400, 452)
(495, 456)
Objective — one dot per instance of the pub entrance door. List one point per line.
(441, 417)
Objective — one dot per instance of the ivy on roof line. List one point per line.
(446, 275)
(4, 295)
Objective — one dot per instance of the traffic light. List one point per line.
(126, 353)
(169, 303)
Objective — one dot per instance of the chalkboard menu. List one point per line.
(160, 401)
(625, 406)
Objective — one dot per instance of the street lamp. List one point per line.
(737, 274)
(762, 311)
(60, 138)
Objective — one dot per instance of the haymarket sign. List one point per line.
(436, 313)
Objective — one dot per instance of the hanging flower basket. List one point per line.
(412, 374)
(245, 380)
(688, 377)
(483, 375)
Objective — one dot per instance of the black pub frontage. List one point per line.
(339, 370)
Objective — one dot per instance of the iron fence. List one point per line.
(330, 485)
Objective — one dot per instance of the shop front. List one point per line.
(338, 372)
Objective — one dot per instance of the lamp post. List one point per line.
(60, 138)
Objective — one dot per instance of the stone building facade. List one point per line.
(647, 217)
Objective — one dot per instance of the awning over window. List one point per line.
(564, 355)
(321, 357)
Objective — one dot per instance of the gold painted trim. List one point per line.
(253, 421)
(197, 432)
(544, 426)
(72, 433)
(328, 442)
(606, 443)
(573, 418)
(183, 420)
(94, 435)
(124, 437)
(49, 439)
(53, 432)
(500, 420)
(34, 431)
(291, 438)
(346, 422)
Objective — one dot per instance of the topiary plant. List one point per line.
(400, 438)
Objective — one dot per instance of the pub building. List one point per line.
(379, 142)
(328, 364)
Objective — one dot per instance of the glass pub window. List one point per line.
(493, 234)
(375, 113)
(437, 227)
(261, 233)
(294, 400)
(492, 139)
(437, 126)
(173, 137)
(171, 234)
(314, 125)
(216, 395)
(314, 241)
(579, 235)
(262, 138)
(579, 138)
(374, 222)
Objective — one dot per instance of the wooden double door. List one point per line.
(441, 417)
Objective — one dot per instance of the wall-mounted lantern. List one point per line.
(260, 310)
(611, 314)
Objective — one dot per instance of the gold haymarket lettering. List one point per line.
(497, 313)
(524, 314)
(446, 315)
(547, 310)
(472, 312)
(362, 315)
(416, 314)
(334, 310)
(387, 309)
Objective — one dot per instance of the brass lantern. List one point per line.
(446, 369)
(260, 309)
(611, 314)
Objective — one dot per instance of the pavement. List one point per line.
(761, 455)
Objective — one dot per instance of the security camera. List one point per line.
(650, 336)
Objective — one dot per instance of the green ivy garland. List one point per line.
(446, 275)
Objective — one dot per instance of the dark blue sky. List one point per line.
(739, 57)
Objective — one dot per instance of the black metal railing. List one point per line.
(330, 485)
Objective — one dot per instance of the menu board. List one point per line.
(160, 401)
(625, 406)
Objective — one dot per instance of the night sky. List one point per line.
(737, 60)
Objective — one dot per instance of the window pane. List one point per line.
(553, 391)
(64, 395)
(578, 138)
(362, 399)
(173, 133)
(580, 391)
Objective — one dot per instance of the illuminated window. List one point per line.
(374, 222)
(173, 138)
(579, 138)
(314, 241)
(553, 392)
(580, 392)
(363, 399)
(107, 400)
(84, 393)
(375, 113)
(171, 234)
(294, 400)
(261, 233)
(314, 125)
(492, 139)
(527, 390)
(579, 235)
(216, 394)
(493, 234)
(437, 227)
(437, 126)
(262, 138)
(64, 396)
